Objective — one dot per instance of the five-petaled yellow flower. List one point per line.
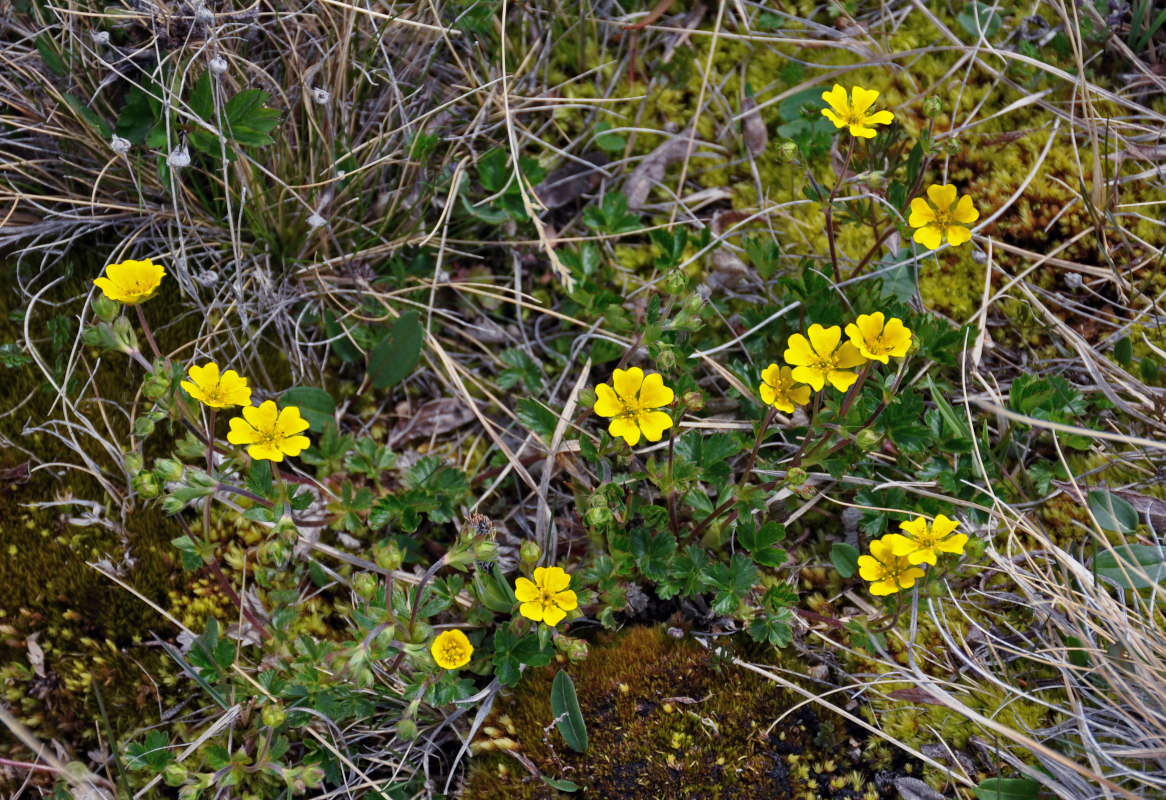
(944, 217)
(923, 543)
(130, 282)
(269, 432)
(887, 572)
(630, 405)
(780, 390)
(878, 339)
(451, 649)
(546, 598)
(821, 358)
(854, 112)
(216, 390)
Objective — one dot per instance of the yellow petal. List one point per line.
(838, 121)
(953, 544)
(607, 404)
(552, 615)
(841, 380)
(942, 197)
(241, 432)
(800, 394)
(262, 416)
(525, 591)
(883, 588)
(799, 353)
(553, 579)
(922, 555)
(290, 422)
(862, 132)
(627, 382)
(965, 211)
(653, 392)
(897, 337)
(815, 378)
(622, 426)
(880, 118)
(825, 340)
(772, 375)
(848, 356)
(781, 403)
(862, 99)
(567, 600)
(921, 213)
(767, 392)
(838, 100)
(883, 549)
(653, 424)
(930, 237)
(957, 235)
(901, 545)
(532, 611)
(943, 526)
(294, 445)
(265, 451)
(869, 568)
(916, 528)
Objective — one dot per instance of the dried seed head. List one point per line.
(179, 157)
(204, 16)
(316, 221)
(218, 65)
(101, 38)
(321, 96)
(119, 145)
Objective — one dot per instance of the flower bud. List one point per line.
(484, 549)
(876, 180)
(578, 650)
(588, 398)
(407, 730)
(124, 336)
(387, 555)
(143, 427)
(868, 439)
(146, 485)
(155, 386)
(952, 147)
(273, 715)
(796, 476)
(666, 359)
(134, 463)
(675, 282)
(933, 106)
(174, 774)
(275, 553)
(693, 401)
(598, 516)
(693, 303)
(804, 492)
(312, 776)
(105, 309)
(167, 469)
(787, 152)
(529, 552)
(365, 584)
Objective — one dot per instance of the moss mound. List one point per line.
(667, 719)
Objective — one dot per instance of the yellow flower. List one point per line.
(631, 402)
(853, 112)
(924, 543)
(451, 649)
(943, 217)
(546, 598)
(130, 282)
(269, 432)
(207, 386)
(887, 572)
(822, 359)
(878, 341)
(780, 390)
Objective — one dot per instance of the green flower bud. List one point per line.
(666, 359)
(952, 147)
(529, 552)
(796, 476)
(365, 584)
(387, 555)
(312, 776)
(155, 386)
(588, 398)
(146, 485)
(124, 337)
(143, 427)
(933, 106)
(167, 469)
(421, 634)
(134, 463)
(868, 439)
(693, 401)
(273, 715)
(275, 553)
(105, 309)
(578, 650)
(407, 730)
(876, 180)
(787, 152)
(675, 282)
(598, 516)
(485, 549)
(693, 303)
(175, 773)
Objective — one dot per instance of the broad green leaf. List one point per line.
(562, 784)
(977, 18)
(396, 354)
(1132, 566)
(844, 557)
(1008, 789)
(1113, 513)
(565, 707)
(315, 405)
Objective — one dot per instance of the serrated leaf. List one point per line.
(565, 707)
(89, 115)
(396, 354)
(202, 101)
(536, 417)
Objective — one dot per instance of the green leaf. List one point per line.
(844, 557)
(44, 46)
(239, 107)
(1008, 789)
(761, 542)
(979, 17)
(536, 417)
(151, 753)
(492, 171)
(202, 102)
(565, 707)
(315, 405)
(1123, 351)
(392, 358)
(1132, 566)
(652, 552)
(510, 652)
(1113, 513)
(89, 115)
(732, 582)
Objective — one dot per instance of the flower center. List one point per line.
(547, 599)
(632, 407)
(875, 344)
(452, 652)
(943, 219)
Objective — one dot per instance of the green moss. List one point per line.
(665, 720)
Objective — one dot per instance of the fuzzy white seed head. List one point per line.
(316, 221)
(1073, 280)
(119, 145)
(218, 65)
(204, 16)
(321, 96)
(179, 157)
(101, 38)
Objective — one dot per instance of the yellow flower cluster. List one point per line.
(824, 358)
(130, 282)
(547, 598)
(631, 401)
(451, 649)
(944, 218)
(894, 560)
(854, 112)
